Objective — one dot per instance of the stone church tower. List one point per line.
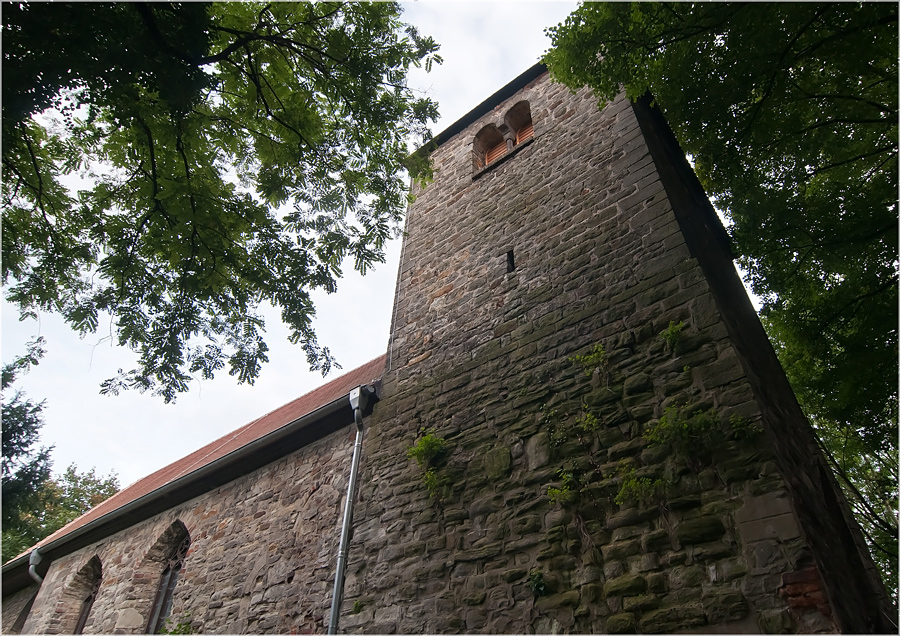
(581, 428)
(606, 441)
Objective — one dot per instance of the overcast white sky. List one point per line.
(484, 46)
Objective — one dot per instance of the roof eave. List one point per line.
(304, 430)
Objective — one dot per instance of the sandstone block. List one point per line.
(782, 527)
(569, 598)
(774, 621)
(640, 603)
(768, 505)
(623, 623)
(621, 549)
(626, 585)
(699, 530)
(129, 619)
(725, 605)
(672, 619)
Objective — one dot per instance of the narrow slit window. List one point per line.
(510, 262)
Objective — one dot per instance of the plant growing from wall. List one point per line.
(634, 489)
(552, 422)
(595, 360)
(568, 493)
(435, 482)
(560, 429)
(428, 451)
(742, 428)
(671, 335)
(181, 625)
(586, 422)
(536, 583)
(692, 436)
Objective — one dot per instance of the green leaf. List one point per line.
(204, 118)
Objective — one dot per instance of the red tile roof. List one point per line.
(366, 374)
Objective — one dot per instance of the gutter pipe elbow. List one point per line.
(33, 560)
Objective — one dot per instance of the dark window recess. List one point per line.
(23, 615)
(86, 605)
(510, 261)
(489, 145)
(162, 606)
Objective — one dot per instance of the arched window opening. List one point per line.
(86, 606)
(495, 141)
(23, 615)
(74, 607)
(162, 604)
(518, 119)
(489, 146)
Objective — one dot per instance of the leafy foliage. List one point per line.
(594, 360)
(58, 502)
(742, 428)
(691, 435)
(568, 493)
(672, 334)
(181, 625)
(634, 489)
(435, 483)
(586, 422)
(536, 583)
(428, 449)
(237, 153)
(25, 468)
(789, 111)
(869, 478)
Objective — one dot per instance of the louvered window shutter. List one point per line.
(495, 153)
(525, 133)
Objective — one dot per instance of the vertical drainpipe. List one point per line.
(359, 398)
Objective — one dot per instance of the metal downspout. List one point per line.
(33, 560)
(359, 397)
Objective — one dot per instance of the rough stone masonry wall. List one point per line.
(13, 607)
(481, 358)
(262, 555)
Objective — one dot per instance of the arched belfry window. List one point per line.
(495, 141)
(489, 146)
(518, 119)
(170, 552)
